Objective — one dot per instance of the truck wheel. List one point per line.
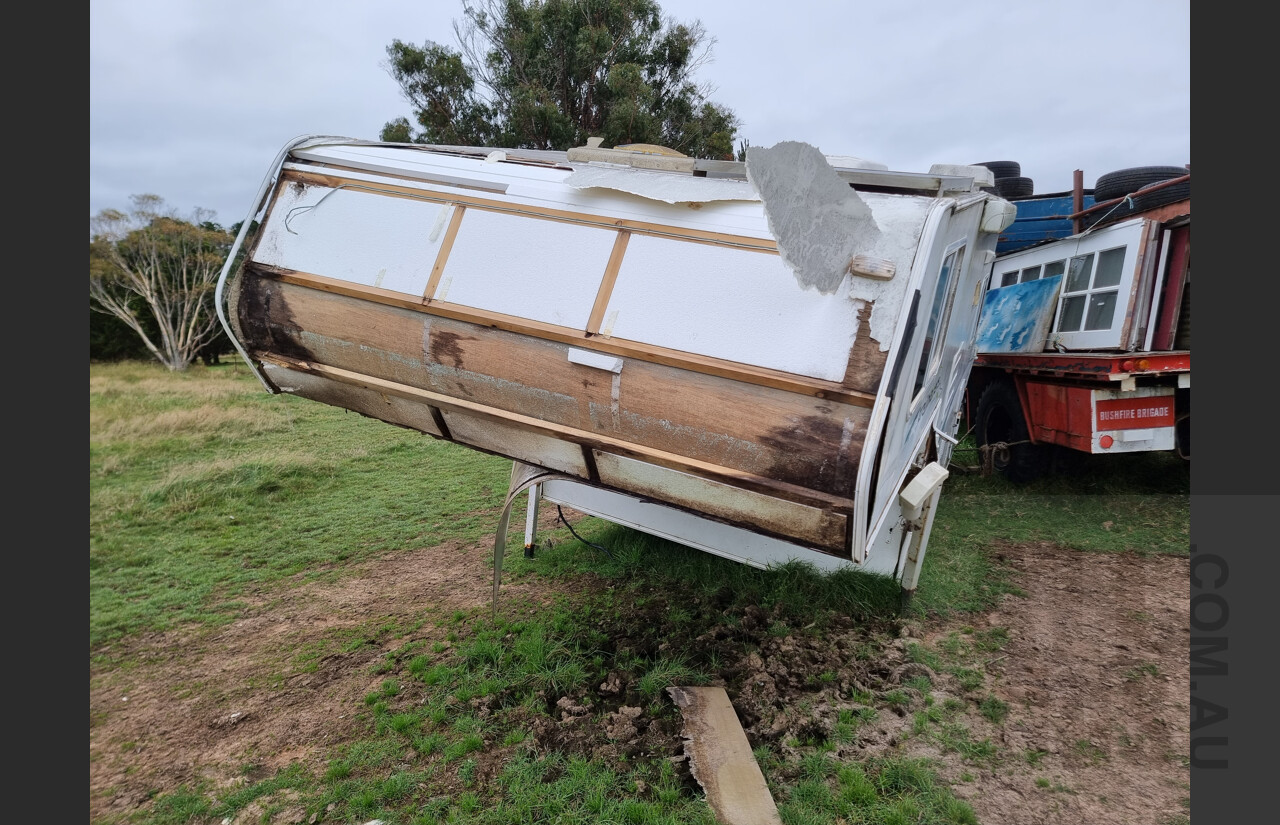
(1145, 200)
(1002, 168)
(1017, 187)
(1123, 182)
(1000, 421)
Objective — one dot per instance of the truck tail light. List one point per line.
(1105, 442)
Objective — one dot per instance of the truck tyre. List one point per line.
(1123, 182)
(1016, 187)
(1002, 168)
(1173, 193)
(1000, 421)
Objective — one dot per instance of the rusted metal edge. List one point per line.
(720, 758)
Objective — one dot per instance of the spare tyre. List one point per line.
(1123, 182)
(1172, 193)
(1018, 187)
(1002, 168)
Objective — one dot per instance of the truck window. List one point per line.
(938, 311)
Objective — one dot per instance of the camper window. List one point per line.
(938, 311)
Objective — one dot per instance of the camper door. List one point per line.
(935, 354)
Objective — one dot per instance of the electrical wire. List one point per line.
(599, 547)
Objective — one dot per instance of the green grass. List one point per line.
(1137, 502)
(883, 791)
(799, 592)
(665, 673)
(203, 489)
(1144, 669)
(1088, 752)
(994, 709)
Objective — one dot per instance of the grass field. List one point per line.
(205, 491)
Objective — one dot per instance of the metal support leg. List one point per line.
(531, 519)
(916, 539)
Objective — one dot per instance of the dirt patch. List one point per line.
(1097, 676)
(1091, 667)
(238, 703)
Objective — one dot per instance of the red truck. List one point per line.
(1084, 342)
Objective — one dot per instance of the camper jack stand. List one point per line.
(915, 541)
(911, 570)
(919, 501)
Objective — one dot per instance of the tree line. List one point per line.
(527, 74)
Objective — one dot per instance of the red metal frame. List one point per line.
(1063, 413)
(1088, 365)
(1056, 389)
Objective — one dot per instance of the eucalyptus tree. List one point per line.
(548, 74)
(156, 273)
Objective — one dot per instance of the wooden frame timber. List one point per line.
(607, 282)
(761, 376)
(446, 245)
(587, 440)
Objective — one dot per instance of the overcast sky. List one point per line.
(192, 100)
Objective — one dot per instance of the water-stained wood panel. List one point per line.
(795, 439)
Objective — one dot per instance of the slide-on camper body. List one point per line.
(765, 360)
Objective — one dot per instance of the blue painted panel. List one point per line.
(1039, 219)
(1017, 318)
(1049, 206)
(1021, 236)
(1026, 229)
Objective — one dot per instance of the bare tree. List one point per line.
(157, 273)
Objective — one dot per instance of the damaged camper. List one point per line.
(763, 360)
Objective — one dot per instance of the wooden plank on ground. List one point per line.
(721, 760)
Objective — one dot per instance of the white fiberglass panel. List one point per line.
(730, 303)
(541, 270)
(354, 236)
